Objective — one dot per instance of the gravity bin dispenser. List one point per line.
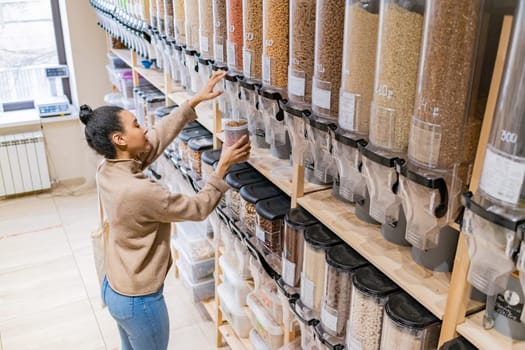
(250, 109)
(494, 220)
(444, 132)
(319, 135)
(391, 109)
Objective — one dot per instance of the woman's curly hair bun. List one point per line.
(85, 114)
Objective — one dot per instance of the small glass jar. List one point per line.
(234, 130)
(250, 195)
(296, 221)
(370, 292)
(317, 239)
(408, 325)
(269, 222)
(209, 158)
(342, 261)
(236, 180)
(197, 146)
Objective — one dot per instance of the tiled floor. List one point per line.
(49, 296)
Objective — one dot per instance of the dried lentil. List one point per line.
(329, 38)
(252, 45)
(180, 30)
(359, 58)
(206, 28)
(439, 130)
(235, 37)
(301, 67)
(396, 77)
(219, 30)
(275, 43)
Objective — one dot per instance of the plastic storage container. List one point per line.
(236, 180)
(243, 259)
(352, 184)
(275, 43)
(266, 291)
(257, 341)
(202, 290)
(184, 137)
(250, 195)
(197, 146)
(169, 23)
(234, 130)
(250, 109)
(219, 31)
(342, 261)
(261, 320)
(162, 112)
(180, 29)
(233, 313)
(193, 240)
(193, 82)
(152, 103)
(196, 270)
(239, 287)
(235, 35)
(253, 38)
(320, 141)
(317, 239)
(359, 57)
(398, 52)
(174, 146)
(459, 343)
(370, 293)
(191, 23)
(408, 325)
(269, 222)
(228, 241)
(301, 61)
(231, 95)
(208, 158)
(295, 126)
(161, 13)
(329, 37)
(296, 221)
(273, 116)
(206, 28)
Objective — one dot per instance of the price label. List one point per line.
(321, 97)
(289, 272)
(347, 111)
(218, 50)
(296, 85)
(204, 44)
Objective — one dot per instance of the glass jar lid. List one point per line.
(273, 208)
(240, 178)
(257, 191)
(371, 281)
(200, 143)
(343, 257)
(407, 312)
(299, 218)
(320, 236)
(211, 156)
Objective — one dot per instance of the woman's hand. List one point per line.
(237, 153)
(207, 93)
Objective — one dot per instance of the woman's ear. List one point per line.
(118, 139)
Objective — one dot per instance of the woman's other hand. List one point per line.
(207, 93)
(237, 153)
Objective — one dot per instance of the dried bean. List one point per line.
(292, 254)
(235, 37)
(206, 28)
(253, 38)
(219, 30)
(275, 43)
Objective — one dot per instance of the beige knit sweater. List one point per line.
(139, 212)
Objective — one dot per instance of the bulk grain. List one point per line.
(180, 30)
(275, 43)
(160, 16)
(253, 38)
(219, 31)
(396, 77)
(359, 57)
(235, 37)
(169, 23)
(329, 37)
(206, 28)
(302, 37)
(191, 8)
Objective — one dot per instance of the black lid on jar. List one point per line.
(188, 134)
(320, 236)
(205, 61)
(230, 76)
(373, 282)
(270, 93)
(236, 167)
(192, 125)
(345, 258)
(211, 156)
(293, 109)
(241, 178)
(249, 84)
(201, 143)
(155, 98)
(255, 192)
(177, 47)
(407, 312)
(348, 139)
(164, 111)
(190, 52)
(459, 343)
(273, 208)
(299, 218)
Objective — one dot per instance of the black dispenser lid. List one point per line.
(293, 109)
(319, 123)
(300, 218)
(348, 139)
(273, 208)
(236, 167)
(241, 178)
(371, 281)
(270, 93)
(164, 111)
(201, 143)
(211, 156)
(255, 192)
(192, 125)
(320, 236)
(249, 84)
(407, 312)
(343, 257)
(188, 134)
(459, 343)
(230, 76)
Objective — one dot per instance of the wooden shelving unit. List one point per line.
(123, 54)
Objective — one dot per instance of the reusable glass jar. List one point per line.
(236, 180)
(269, 222)
(250, 195)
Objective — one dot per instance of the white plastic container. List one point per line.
(262, 321)
(202, 290)
(233, 313)
(257, 341)
(266, 291)
(228, 241)
(197, 271)
(193, 240)
(231, 277)
(243, 259)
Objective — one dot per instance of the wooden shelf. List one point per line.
(154, 76)
(123, 54)
(428, 287)
(266, 164)
(204, 111)
(233, 340)
(211, 308)
(484, 339)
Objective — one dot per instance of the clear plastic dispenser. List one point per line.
(359, 57)
(269, 228)
(236, 180)
(191, 23)
(273, 117)
(317, 239)
(342, 261)
(408, 325)
(328, 59)
(219, 31)
(296, 222)
(275, 43)
(205, 72)
(231, 96)
(320, 141)
(302, 44)
(252, 20)
(250, 196)
(250, 109)
(206, 29)
(180, 29)
(180, 69)
(234, 35)
(295, 125)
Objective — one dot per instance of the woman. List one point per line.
(139, 212)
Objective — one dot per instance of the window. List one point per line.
(30, 39)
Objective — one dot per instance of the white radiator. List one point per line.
(23, 163)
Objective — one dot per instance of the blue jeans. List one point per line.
(142, 321)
